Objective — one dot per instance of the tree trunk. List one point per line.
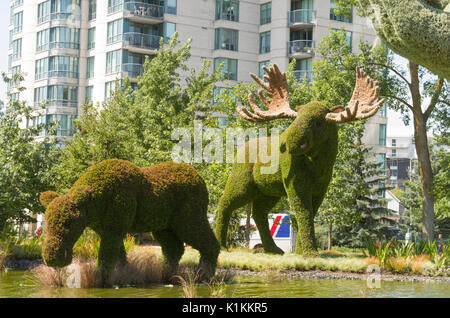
(423, 155)
(330, 228)
(248, 224)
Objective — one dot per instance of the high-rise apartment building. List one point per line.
(74, 50)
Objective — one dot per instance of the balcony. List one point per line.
(140, 42)
(302, 75)
(302, 17)
(300, 48)
(143, 12)
(132, 70)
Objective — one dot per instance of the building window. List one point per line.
(89, 91)
(346, 18)
(226, 39)
(348, 36)
(229, 68)
(265, 15)
(394, 142)
(261, 72)
(56, 95)
(59, 37)
(56, 10)
(217, 92)
(18, 22)
(382, 160)
(394, 152)
(115, 5)
(65, 126)
(110, 87)
(56, 66)
(115, 30)
(113, 61)
(382, 135)
(91, 38)
(17, 49)
(171, 6)
(169, 30)
(303, 70)
(90, 67)
(382, 110)
(92, 10)
(227, 10)
(264, 42)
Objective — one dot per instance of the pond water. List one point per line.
(18, 284)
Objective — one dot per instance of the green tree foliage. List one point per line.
(26, 162)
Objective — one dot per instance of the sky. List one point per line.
(395, 126)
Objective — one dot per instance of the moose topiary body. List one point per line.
(307, 152)
(115, 197)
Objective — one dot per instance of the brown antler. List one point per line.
(360, 106)
(278, 91)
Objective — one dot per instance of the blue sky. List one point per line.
(395, 124)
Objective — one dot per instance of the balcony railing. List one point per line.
(58, 45)
(143, 41)
(300, 47)
(302, 75)
(302, 16)
(144, 10)
(133, 69)
(56, 103)
(57, 74)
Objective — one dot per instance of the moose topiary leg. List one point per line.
(261, 207)
(111, 254)
(172, 248)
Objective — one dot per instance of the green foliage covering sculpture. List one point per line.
(307, 152)
(418, 30)
(115, 197)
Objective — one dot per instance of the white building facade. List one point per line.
(72, 51)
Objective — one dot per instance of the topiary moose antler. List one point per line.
(360, 106)
(278, 91)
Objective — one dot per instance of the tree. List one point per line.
(27, 163)
(412, 97)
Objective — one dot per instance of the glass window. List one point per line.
(226, 39)
(169, 30)
(382, 135)
(115, 5)
(43, 11)
(217, 91)
(65, 126)
(90, 67)
(382, 160)
(171, 6)
(18, 22)
(227, 10)
(56, 66)
(348, 36)
(17, 49)
(110, 87)
(92, 10)
(91, 38)
(394, 152)
(230, 67)
(347, 18)
(264, 42)
(261, 72)
(394, 142)
(113, 61)
(67, 38)
(115, 30)
(265, 13)
(89, 93)
(382, 110)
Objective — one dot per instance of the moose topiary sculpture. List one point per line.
(115, 197)
(307, 152)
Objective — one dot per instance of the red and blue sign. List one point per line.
(281, 227)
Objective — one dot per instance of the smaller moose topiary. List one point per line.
(115, 197)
